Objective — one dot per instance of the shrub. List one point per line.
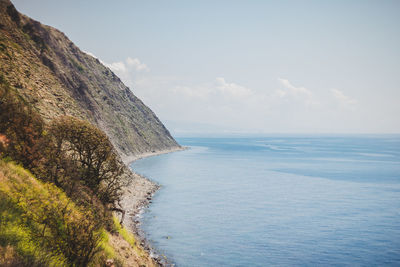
(91, 153)
(21, 126)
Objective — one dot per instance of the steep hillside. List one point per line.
(41, 226)
(57, 78)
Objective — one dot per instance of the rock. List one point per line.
(110, 263)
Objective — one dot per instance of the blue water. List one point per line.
(286, 201)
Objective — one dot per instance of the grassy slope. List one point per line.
(26, 203)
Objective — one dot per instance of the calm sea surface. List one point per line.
(284, 201)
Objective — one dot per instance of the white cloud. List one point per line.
(232, 88)
(128, 70)
(342, 98)
(135, 63)
(229, 105)
(296, 92)
(118, 67)
(129, 65)
(293, 90)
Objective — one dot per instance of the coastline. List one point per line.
(137, 197)
(131, 158)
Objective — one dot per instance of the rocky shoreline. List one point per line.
(137, 197)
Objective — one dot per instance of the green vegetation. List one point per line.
(128, 237)
(41, 226)
(42, 223)
(104, 244)
(59, 183)
(124, 233)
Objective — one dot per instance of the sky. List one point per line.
(246, 67)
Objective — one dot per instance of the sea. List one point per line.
(284, 200)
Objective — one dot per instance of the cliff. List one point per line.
(55, 77)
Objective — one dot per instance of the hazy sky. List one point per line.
(246, 66)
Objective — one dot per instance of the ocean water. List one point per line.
(277, 201)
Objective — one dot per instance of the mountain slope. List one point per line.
(57, 78)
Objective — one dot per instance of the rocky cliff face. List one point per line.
(57, 78)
